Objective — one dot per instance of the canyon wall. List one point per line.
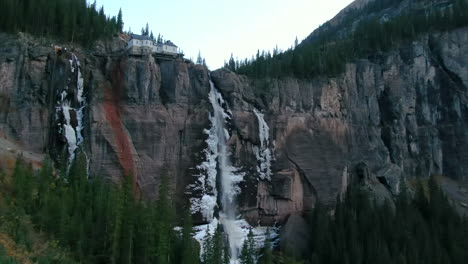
(398, 115)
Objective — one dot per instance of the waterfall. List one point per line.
(263, 154)
(72, 131)
(217, 184)
(219, 179)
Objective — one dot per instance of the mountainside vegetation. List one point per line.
(421, 229)
(97, 222)
(66, 20)
(327, 52)
(87, 220)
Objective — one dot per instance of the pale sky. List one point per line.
(219, 27)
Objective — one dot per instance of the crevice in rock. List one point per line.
(384, 182)
(437, 57)
(303, 176)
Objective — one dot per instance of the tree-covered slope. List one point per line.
(100, 222)
(358, 33)
(66, 20)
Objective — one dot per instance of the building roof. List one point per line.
(140, 37)
(169, 43)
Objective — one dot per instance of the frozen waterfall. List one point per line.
(72, 131)
(217, 184)
(263, 154)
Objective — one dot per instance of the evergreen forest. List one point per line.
(84, 219)
(65, 20)
(327, 52)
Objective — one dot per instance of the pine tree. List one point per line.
(117, 202)
(207, 252)
(146, 30)
(199, 58)
(226, 254)
(232, 63)
(120, 23)
(189, 252)
(218, 247)
(164, 221)
(128, 222)
(23, 183)
(267, 257)
(248, 252)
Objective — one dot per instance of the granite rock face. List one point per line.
(402, 114)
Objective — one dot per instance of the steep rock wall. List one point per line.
(399, 114)
(144, 118)
(402, 114)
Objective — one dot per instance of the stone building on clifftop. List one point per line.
(140, 45)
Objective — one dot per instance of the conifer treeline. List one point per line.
(104, 223)
(425, 229)
(99, 222)
(327, 53)
(67, 20)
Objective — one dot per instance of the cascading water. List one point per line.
(219, 179)
(228, 178)
(72, 132)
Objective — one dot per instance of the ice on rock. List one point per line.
(63, 95)
(217, 167)
(207, 179)
(263, 154)
(72, 68)
(73, 134)
(69, 134)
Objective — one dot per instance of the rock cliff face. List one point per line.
(142, 117)
(400, 115)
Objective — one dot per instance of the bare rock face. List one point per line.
(23, 94)
(143, 118)
(403, 115)
(148, 118)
